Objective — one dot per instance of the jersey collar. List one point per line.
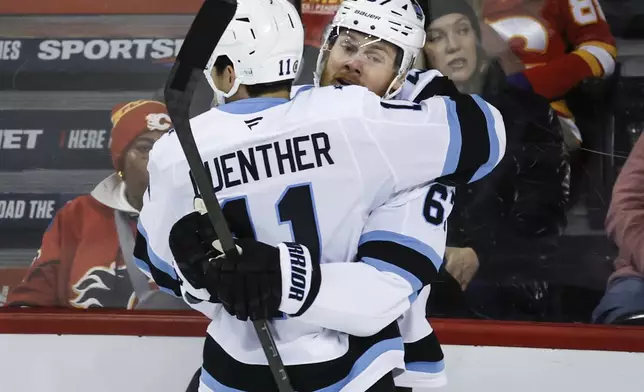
(251, 105)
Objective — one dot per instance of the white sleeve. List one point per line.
(149, 250)
(454, 139)
(400, 252)
(163, 205)
(420, 84)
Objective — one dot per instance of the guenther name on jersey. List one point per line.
(286, 156)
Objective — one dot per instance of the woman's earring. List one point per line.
(120, 173)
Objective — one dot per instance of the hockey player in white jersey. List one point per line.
(405, 216)
(298, 180)
(377, 54)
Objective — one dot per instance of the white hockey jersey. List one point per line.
(404, 217)
(419, 215)
(312, 170)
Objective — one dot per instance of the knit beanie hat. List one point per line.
(132, 119)
(434, 9)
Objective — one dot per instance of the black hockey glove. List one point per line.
(191, 239)
(258, 284)
(264, 280)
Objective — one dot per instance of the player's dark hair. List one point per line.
(254, 90)
(222, 63)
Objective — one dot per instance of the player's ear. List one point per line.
(224, 80)
(230, 74)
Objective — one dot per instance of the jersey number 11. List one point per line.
(296, 207)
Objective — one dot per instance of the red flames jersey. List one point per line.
(80, 264)
(561, 42)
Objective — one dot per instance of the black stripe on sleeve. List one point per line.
(475, 141)
(440, 85)
(427, 349)
(401, 256)
(160, 277)
(475, 138)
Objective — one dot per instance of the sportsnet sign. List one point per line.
(54, 139)
(92, 55)
(160, 50)
(23, 57)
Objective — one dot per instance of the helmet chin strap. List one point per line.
(220, 96)
(389, 94)
(405, 67)
(321, 63)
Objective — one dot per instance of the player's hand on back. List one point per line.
(190, 241)
(249, 285)
(259, 283)
(264, 280)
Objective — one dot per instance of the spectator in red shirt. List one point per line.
(86, 253)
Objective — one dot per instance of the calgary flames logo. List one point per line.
(158, 121)
(104, 287)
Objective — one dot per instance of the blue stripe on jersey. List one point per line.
(401, 239)
(141, 254)
(143, 266)
(156, 261)
(362, 357)
(302, 89)
(251, 105)
(213, 384)
(383, 266)
(485, 169)
(426, 367)
(424, 355)
(365, 360)
(455, 138)
(168, 291)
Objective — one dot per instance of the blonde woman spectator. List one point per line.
(514, 216)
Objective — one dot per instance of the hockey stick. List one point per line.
(200, 42)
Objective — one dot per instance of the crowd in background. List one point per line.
(529, 242)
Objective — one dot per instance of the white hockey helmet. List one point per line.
(265, 43)
(400, 22)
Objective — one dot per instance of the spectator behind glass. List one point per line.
(501, 216)
(561, 42)
(625, 225)
(86, 252)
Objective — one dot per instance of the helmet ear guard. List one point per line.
(400, 22)
(264, 42)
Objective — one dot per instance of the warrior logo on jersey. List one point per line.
(104, 287)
